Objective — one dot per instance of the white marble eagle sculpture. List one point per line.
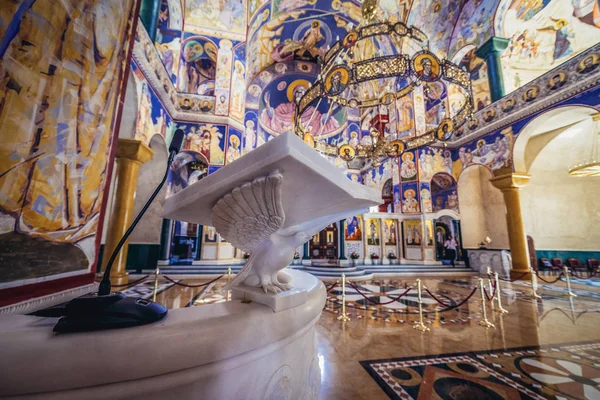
(251, 218)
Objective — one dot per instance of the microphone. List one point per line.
(107, 309)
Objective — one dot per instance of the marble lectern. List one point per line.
(267, 203)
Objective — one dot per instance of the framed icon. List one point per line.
(347, 153)
(337, 80)
(426, 66)
(444, 131)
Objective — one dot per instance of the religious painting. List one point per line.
(197, 140)
(169, 50)
(354, 177)
(170, 16)
(198, 66)
(480, 86)
(205, 106)
(405, 123)
(233, 149)
(278, 108)
(426, 66)
(353, 228)
(347, 152)
(410, 200)
(426, 198)
(433, 160)
(350, 39)
(429, 233)
(444, 132)
(493, 151)
(436, 104)
(306, 40)
(238, 84)
(473, 123)
(398, 147)
(408, 167)
(588, 64)
(543, 35)
(151, 116)
(412, 232)
(60, 70)
(444, 192)
(397, 199)
(489, 115)
(329, 237)
(337, 80)
(310, 140)
(474, 25)
(372, 226)
(389, 231)
(437, 20)
(556, 81)
(508, 105)
(210, 235)
(223, 18)
(531, 94)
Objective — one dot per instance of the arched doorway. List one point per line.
(387, 194)
(185, 238)
(447, 227)
(560, 211)
(481, 209)
(324, 245)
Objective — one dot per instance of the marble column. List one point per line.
(510, 186)
(306, 250)
(342, 243)
(149, 11)
(131, 154)
(491, 51)
(165, 242)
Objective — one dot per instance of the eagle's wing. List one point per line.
(251, 213)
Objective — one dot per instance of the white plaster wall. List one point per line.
(562, 212)
(150, 175)
(482, 209)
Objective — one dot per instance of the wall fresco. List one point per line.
(60, 82)
(217, 18)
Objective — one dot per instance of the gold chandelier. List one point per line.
(590, 166)
(348, 70)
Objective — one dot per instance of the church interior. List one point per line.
(326, 199)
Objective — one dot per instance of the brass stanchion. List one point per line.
(484, 321)
(501, 310)
(156, 273)
(228, 280)
(344, 317)
(420, 326)
(534, 294)
(569, 292)
(490, 286)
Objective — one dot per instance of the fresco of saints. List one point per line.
(353, 231)
(410, 204)
(453, 201)
(307, 46)
(250, 136)
(426, 199)
(281, 118)
(233, 151)
(408, 170)
(562, 44)
(373, 238)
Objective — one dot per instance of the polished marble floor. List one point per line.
(376, 335)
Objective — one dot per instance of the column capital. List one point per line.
(494, 45)
(510, 181)
(134, 150)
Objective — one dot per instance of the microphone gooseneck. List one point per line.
(105, 286)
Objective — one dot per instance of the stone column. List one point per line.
(342, 244)
(131, 154)
(510, 185)
(149, 11)
(165, 242)
(491, 51)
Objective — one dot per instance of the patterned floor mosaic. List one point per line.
(566, 371)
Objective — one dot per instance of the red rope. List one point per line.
(128, 285)
(513, 280)
(554, 281)
(590, 275)
(330, 288)
(493, 296)
(436, 299)
(448, 306)
(377, 303)
(192, 286)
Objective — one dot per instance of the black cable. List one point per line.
(105, 285)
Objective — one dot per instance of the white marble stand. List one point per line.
(498, 260)
(230, 350)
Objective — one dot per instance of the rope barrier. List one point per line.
(513, 280)
(493, 296)
(554, 281)
(449, 306)
(590, 275)
(130, 284)
(192, 286)
(378, 303)
(330, 288)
